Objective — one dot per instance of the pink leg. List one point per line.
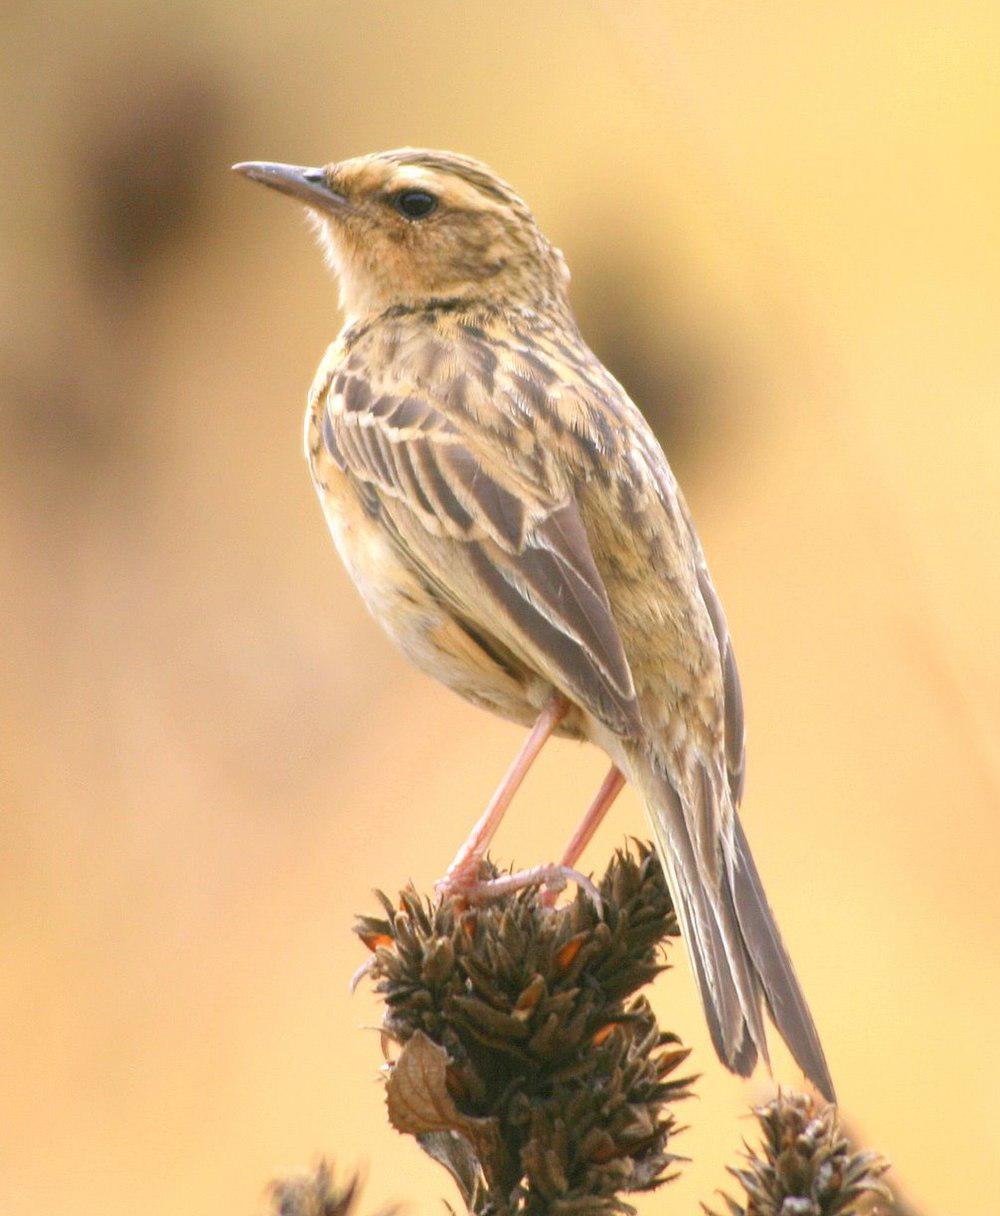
(555, 877)
(464, 870)
(611, 787)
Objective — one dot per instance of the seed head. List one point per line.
(528, 1066)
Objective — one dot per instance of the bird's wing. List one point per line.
(648, 465)
(501, 544)
(735, 732)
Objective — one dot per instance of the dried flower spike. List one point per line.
(315, 1194)
(805, 1166)
(528, 1066)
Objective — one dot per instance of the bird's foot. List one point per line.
(464, 883)
(461, 878)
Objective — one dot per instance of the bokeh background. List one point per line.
(783, 226)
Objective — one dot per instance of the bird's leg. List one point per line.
(555, 877)
(463, 873)
(611, 787)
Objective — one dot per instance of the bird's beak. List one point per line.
(309, 186)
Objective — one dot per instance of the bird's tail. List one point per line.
(731, 937)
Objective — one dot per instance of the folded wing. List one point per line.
(506, 551)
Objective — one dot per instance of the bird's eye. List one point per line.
(415, 204)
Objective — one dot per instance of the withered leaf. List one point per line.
(456, 1155)
(418, 1102)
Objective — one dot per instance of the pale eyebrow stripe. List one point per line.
(464, 170)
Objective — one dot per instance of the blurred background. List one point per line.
(782, 222)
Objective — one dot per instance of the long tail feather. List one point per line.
(733, 941)
(782, 994)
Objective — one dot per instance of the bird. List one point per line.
(510, 519)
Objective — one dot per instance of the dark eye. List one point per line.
(414, 204)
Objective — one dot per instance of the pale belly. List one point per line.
(415, 620)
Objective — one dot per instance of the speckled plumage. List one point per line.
(511, 520)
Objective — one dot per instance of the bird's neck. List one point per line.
(472, 307)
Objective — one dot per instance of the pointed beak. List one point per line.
(309, 186)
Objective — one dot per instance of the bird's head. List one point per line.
(409, 226)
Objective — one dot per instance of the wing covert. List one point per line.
(731, 690)
(507, 552)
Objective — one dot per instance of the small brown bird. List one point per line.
(510, 519)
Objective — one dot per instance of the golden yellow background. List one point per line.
(783, 225)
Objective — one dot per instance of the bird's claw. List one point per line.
(465, 884)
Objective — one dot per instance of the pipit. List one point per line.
(511, 521)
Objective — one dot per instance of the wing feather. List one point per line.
(735, 742)
(511, 554)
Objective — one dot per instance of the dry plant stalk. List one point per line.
(527, 1064)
